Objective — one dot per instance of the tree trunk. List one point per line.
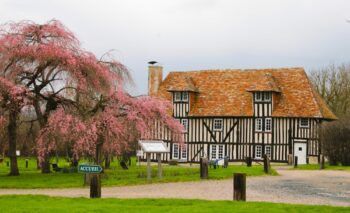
(95, 181)
(12, 137)
(45, 165)
(107, 162)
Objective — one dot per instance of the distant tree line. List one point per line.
(333, 84)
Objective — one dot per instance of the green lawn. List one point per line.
(30, 203)
(317, 167)
(116, 176)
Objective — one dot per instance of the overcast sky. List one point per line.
(200, 34)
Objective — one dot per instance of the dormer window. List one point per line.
(184, 96)
(180, 96)
(267, 96)
(262, 96)
(177, 96)
(258, 96)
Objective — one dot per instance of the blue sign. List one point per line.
(90, 168)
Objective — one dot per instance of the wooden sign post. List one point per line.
(95, 181)
(157, 147)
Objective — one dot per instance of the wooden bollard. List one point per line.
(290, 159)
(267, 166)
(295, 161)
(249, 161)
(95, 186)
(7, 163)
(322, 161)
(204, 168)
(26, 163)
(239, 186)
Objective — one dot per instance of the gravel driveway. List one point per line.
(292, 186)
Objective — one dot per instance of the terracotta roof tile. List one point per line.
(228, 92)
(182, 83)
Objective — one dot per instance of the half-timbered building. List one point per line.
(241, 113)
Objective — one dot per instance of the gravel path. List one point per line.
(292, 186)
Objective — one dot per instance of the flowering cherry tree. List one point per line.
(78, 99)
(43, 58)
(119, 120)
(12, 99)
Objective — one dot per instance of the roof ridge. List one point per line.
(243, 70)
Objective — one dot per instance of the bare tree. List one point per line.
(333, 84)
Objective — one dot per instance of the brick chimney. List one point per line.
(155, 77)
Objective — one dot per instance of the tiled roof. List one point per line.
(265, 83)
(229, 92)
(183, 83)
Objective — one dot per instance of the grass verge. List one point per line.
(32, 178)
(37, 203)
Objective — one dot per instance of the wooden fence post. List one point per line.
(204, 168)
(239, 186)
(295, 161)
(290, 159)
(267, 165)
(321, 161)
(149, 172)
(159, 165)
(249, 161)
(26, 163)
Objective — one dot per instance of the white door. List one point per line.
(300, 152)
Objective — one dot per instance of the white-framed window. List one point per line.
(184, 122)
(268, 151)
(218, 124)
(268, 124)
(304, 122)
(184, 152)
(258, 96)
(176, 151)
(177, 96)
(221, 151)
(258, 124)
(217, 151)
(258, 151)
(185, 96)
(262, 96)
(267, 96)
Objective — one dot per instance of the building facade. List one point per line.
(241, 113)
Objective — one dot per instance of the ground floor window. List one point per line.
(176, 151)
(179, 152)
(268, 151)
(217, 151)
(184, 152)
(258, 151)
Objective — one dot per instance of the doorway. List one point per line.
(300, 151)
